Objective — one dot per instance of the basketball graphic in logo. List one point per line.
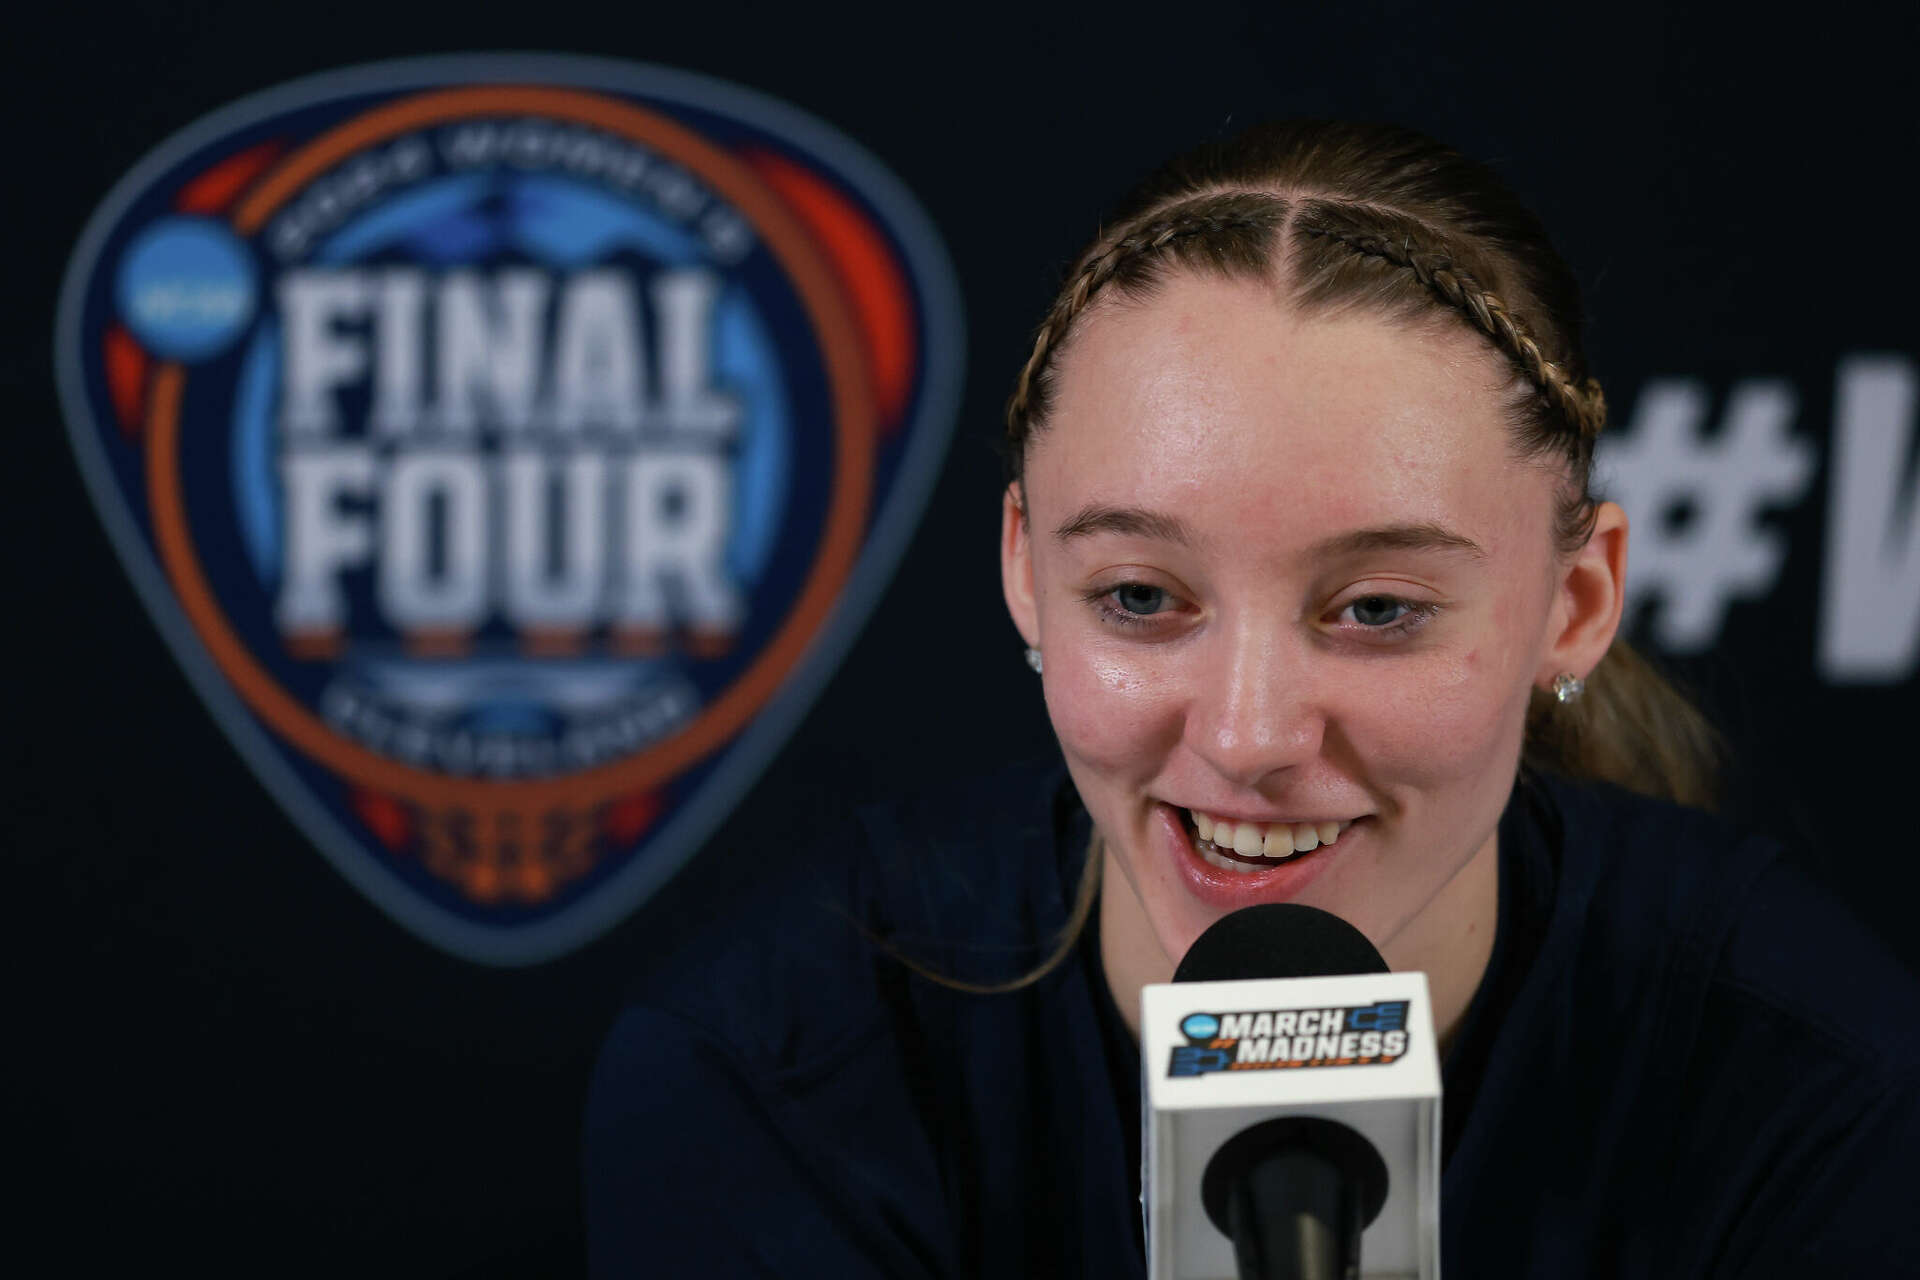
(509, 448)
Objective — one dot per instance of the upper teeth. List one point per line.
(1265, 839)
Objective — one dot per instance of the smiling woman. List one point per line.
(1298, 522)
(1338, 564)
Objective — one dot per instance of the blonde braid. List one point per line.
(1583, 405)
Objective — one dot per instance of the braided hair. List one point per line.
(1385, 219)
(1583, 406)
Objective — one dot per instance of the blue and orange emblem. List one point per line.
(509, 448)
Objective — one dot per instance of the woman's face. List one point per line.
(1286, 576)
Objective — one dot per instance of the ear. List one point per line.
(1588, 604)
(1016, 565)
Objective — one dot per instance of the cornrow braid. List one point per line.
(1224, 231)
(1582, 404)
(1232, 233)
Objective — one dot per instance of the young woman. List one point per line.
(1299, 534)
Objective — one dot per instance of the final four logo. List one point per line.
(509, 448)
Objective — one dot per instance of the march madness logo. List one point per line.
(509, 448)
(1282, 1039)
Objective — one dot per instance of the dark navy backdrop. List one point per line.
(218, 1050)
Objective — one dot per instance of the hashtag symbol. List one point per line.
(1665, 465)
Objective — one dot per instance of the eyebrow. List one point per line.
(1139, 522)
(1399, 537)
(1128, 522)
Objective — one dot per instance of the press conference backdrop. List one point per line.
(274, 1014)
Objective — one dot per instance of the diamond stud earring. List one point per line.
(1567, 686)
(1033, 658)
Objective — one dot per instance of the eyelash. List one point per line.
(1103, 604)
(1416, 614)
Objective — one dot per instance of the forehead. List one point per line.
(1219, 395)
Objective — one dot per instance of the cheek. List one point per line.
(1113, 707)
(1472, 695)
(1466, 701)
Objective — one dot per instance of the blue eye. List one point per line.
(1134, 604)
(1378, 611)
(1138, 598)
(1382, 618)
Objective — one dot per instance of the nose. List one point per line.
(1254, 711)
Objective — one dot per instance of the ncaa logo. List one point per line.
(508, 448)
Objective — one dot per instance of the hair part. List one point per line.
(1382, 219)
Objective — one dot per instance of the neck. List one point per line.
(1451, 941)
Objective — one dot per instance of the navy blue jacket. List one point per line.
(1683, 1061)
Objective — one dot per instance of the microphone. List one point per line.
(1292, 1101)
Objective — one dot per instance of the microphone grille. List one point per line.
(1278, 940)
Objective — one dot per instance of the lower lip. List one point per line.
(1227, 890)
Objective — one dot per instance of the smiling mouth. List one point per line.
(1251, 847)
